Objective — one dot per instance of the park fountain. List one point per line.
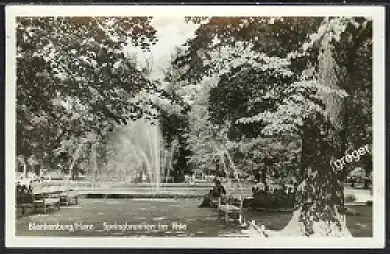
(136, 148)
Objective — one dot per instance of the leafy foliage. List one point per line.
(272, 77)
(73, 78)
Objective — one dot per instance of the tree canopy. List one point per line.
(73, 78)
(303, 78)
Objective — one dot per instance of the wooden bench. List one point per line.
(24, 209)
(43, 201)
(230, 212)
(69, 197)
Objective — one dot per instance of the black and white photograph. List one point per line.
(195, 126)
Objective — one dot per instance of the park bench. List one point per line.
(24, 209)
(231, 212)
(69, 197)
(46, 199)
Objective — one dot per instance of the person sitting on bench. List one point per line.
(217, 191)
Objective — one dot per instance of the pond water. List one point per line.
(159, 217)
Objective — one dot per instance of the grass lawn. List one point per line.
(199, 222)
(360, 225)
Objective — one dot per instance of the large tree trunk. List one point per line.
(321, 194)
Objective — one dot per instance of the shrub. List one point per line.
(349, 198)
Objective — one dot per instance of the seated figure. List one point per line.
(217, 191)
